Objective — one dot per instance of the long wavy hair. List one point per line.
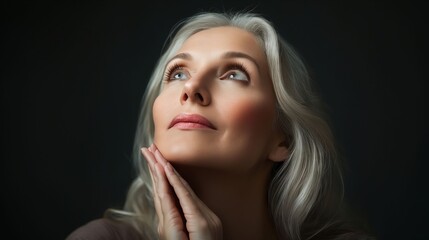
(306, 188)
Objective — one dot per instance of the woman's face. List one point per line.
(217, 106)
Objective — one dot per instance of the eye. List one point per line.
(178, 75)
(176, 72)
(236, 72)
(237, 75)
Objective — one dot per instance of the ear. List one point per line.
(280, 151)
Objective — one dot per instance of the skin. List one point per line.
(226, 166)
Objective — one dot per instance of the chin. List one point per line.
(184, 153)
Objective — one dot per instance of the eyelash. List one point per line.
(233, 66)
(170, 70)
(238, 66)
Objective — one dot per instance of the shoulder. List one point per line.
(105, 229)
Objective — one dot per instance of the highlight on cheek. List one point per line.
(253, 112)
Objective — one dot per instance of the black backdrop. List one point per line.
(73, 75)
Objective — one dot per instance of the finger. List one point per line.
(157, 204)
(176, 176)
(188, 199)
(170, 212)
(168, 167)
(150, 158)
(163, 188)
(152, 147)
(159, 158)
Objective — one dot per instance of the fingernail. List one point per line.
(143, 151)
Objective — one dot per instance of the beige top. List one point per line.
(105, 229)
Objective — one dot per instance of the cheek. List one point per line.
(157, 106)
(162, 107)
(249, 130)
(251, 113)
(159, 113)
(160, 121)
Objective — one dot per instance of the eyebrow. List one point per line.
(240, 55)
(184, 56)
(187, 56)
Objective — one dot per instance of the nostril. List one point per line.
(199, 96)
(185, 97)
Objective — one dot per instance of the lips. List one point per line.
(191, 121)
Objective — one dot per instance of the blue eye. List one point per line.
(176, 72)
(178, 76)
(237, 75)
(236, 72)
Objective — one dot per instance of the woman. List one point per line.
(230, 142)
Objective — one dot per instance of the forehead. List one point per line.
(224, 39)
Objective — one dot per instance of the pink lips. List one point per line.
(191, 121)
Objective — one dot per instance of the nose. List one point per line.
(194, 91)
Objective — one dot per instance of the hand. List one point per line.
(187, 218)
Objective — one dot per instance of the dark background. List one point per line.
(73, 75)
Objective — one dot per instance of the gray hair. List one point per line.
(305, 187)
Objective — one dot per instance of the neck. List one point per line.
(239, 200)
